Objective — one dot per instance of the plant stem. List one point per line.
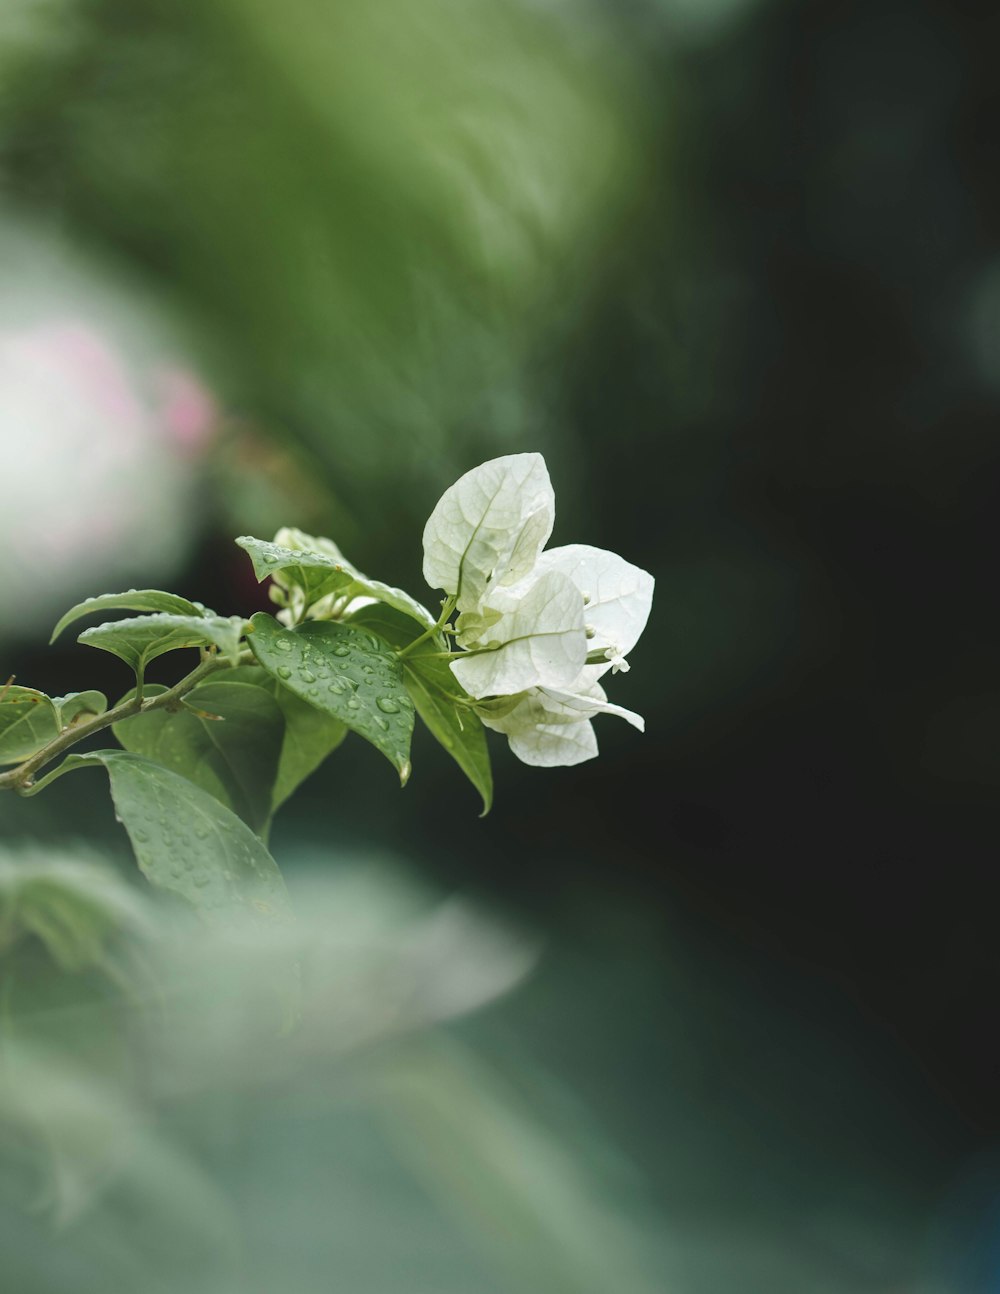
(20, 779)
(449, 607)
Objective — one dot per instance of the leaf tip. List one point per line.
(405, 769)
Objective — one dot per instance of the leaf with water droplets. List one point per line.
(345, 672)
(186, 842)
(133, 600)
(437, 696)
(28, 720)
(142, 638)
(226, 739)
(324, 574)
(317, 574)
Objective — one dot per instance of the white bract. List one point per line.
(538, 629)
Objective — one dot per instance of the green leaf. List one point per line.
(141, 639)
(321, 575)
(76, 706)
(315, 573)
(232, 755)
(133, 600)
(345, 672)
(186, 842)
(438, 697)
(28, 720)
(310, 734)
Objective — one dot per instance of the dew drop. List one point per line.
(307, 676)
(341, 650)
(337, 686)
(387, 705)
(354, 703)
(380, 722)
(283, 671)
(283, 644)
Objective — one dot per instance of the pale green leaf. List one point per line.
(489, 527)
(345, 672)
(141, 639)
(186, 842)
(227, 739)
(437, 696)
(133, 600)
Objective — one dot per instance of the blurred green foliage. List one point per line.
(382, 213)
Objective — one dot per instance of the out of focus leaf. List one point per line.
(73, 906)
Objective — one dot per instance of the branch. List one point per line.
(20, 779)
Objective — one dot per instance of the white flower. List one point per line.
(548, 728)
(531, 620)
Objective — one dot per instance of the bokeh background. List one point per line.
(729, 992)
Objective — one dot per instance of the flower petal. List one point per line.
(619, 594)
(554, 747)
(550, 707)
(489, 526)
(538, 640)
(570, 706)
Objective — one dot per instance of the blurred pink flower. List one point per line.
(104, 449)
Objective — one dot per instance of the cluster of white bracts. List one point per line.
(529, 620)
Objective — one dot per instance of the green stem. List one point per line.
(21, 779)
(447, 609)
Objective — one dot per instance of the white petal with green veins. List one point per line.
(539, 640)
(619, 595)
(489, 527)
